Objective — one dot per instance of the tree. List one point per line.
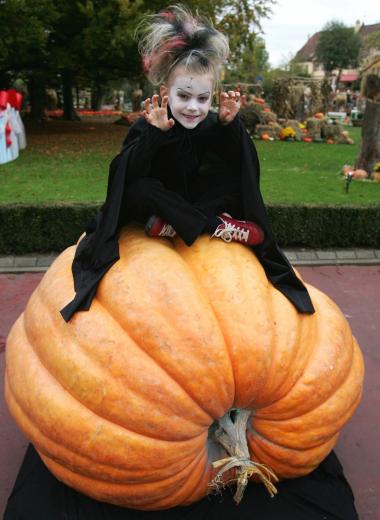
(91, 41)
(24, 46)
(370, 147)
(338, 47)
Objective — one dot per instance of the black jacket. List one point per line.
(192, 163)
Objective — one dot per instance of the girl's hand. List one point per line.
(157, 115)
(229, 106)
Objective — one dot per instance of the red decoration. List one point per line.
(3, 99)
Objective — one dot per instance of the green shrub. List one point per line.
(47, 228)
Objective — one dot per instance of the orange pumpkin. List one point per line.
(319, 115)
(308, 139)
(265, 137)
(330, 141)
(121, 402)
(360, 174)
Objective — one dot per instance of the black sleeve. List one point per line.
(99, 249)
(142, 143)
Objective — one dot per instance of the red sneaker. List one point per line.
(156, 227)
(241, 231)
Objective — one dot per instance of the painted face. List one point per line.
(190, 96)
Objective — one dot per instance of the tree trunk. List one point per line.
(67, 90)
(370, 149)
(97, 97)
(37, 96)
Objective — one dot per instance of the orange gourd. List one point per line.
(122, 401)
(265, 137)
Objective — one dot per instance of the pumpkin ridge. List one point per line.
(194, 464)
(86, 405)
(137, 502)
(285, 469)
(148, 356)
(303, 331)
(338, 426)
(207, 300)
(317, 322)
(72, 450)
(124, 480)
(102, 368)
(85, 458)
(169, 375)
(58, 383)
(255, 434)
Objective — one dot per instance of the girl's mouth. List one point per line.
(191, 118)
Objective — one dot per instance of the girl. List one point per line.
(184, 169)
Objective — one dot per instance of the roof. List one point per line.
(366, 30)
(346, 78)
(307, 52)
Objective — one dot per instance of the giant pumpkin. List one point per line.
(189, 370)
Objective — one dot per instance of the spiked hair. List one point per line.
(175, 37)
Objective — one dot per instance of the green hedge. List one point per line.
(46, 228)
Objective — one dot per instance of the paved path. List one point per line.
(356, 289)
(359, 256)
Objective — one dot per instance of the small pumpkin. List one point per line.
(319, 115)
(308, 139)
(265, 137)
(330, 141)
(122, 401)
(360, 174)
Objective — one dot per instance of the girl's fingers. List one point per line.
(171, 123)
(155, 101)
(164, 103)
(147, 105)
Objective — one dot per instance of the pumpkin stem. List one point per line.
(231, 434)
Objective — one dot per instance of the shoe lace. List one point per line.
(229, 231)
(167, 231)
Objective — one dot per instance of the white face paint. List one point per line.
(190, 96)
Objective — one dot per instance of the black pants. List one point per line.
(323, 495)
(148, 196)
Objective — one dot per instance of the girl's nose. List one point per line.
(192, 105)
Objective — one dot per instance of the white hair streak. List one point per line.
(174, 37)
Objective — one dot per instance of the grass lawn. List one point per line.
(67, 161)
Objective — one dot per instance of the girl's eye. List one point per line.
(183, 96)
(203, 99)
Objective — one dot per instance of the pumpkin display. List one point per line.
(360, 174)
(133, 401)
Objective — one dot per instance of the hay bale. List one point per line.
(344, 138)
(268, 117)
(272, 129)
(331, 131)
(314, 127)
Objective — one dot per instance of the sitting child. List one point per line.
(184, 169)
